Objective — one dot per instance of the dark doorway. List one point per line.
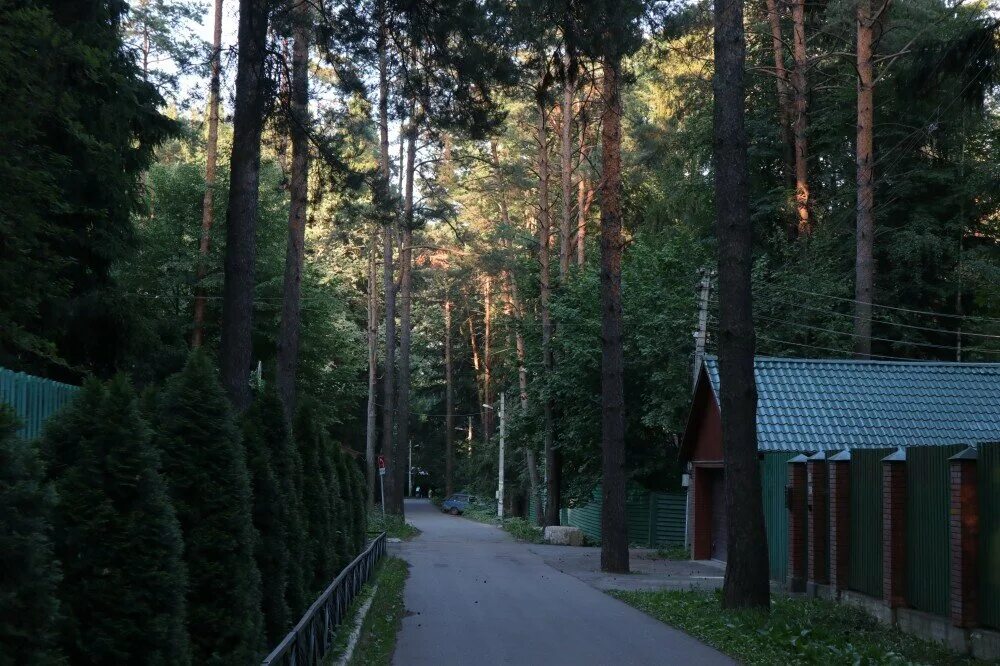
(718, 516)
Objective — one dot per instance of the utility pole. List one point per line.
(503, 436)
(409, 476)
(469, 436)
(701, 335)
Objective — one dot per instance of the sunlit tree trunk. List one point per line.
(449, 401)
(370, 428)
(406, 310)
(291, 302)
(864, 269)
(746, 582)
(566, 154)
(801, 125)
(785, 113)
(236, 349)
(211, 157)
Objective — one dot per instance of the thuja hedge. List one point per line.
(169, 530)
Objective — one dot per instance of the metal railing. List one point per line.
(309, 641)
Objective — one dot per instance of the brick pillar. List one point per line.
(795, 501)
(840, 519)
(964, 595)
(816, 472)
(701, 549)
(894, 529)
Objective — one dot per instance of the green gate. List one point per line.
(865, 571)
(928, 501)
(774, 476)
(33, 399)
(989, 534)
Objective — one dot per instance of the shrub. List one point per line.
(28, 572)
(204, 464)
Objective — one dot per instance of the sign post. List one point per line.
(381, 481)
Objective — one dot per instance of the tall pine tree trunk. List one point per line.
(785, 113)
(241, 219)
(566, 153)
(211, 158)
(614, 537)
(552, 471)
(801, 124)
(449, 402)
(864, 268)
(488, 421)
(746, 583)
(370, 427)
(291, 302)
(406, 307)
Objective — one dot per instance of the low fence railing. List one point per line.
(309, 641)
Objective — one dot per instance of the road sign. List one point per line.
(381, 465)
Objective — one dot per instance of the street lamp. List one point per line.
(503, 434)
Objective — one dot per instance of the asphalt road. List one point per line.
(476, 597)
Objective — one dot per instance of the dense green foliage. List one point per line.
(796, 631)
(320, 512)
(206, 470)
(29, 572)
(116, 534)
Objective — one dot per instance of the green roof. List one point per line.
(831, 404)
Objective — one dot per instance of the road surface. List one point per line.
(475, 597)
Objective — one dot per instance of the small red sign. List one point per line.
(381, 463)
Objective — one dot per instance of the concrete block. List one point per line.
(874, 607)
(561, 535)
(985, 644)
(936, 628)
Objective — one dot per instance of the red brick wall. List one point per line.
(964, 543)
(797, 527)
(894, 533)
(818, 530)
(840, 522)
(702, 547)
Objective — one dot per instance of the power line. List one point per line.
(890, 307)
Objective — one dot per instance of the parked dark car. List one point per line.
(457, 503)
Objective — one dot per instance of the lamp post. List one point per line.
(503, 436)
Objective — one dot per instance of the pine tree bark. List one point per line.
(291, 302)
(488, 421)
(449, 402)
(211, 159)
(370, 432)
(241, 220)
(614, 537)
(746, 582)
(405, 314)
(785, 113)
(566, 154)
(864, 268)
(552, 462)
(801, 125)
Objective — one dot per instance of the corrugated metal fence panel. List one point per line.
(865, 571)
(989, 526)
(33, 399)
(667, 519)
(774, 476)
(637, 516)
(928, 501)
(587, 517)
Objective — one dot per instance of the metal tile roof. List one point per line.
(823, 405)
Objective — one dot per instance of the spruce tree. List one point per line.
(270, 514)
(28, 570)
(359, 507)
(312, 443)
(206, 470)
(116, 533)
(338, 526)
(346, 506)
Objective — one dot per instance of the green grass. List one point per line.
(797, 631)
(671, 553)
(519, 528)
(393, 526)
(377, 640)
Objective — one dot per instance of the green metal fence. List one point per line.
(927, 527)
(865, 571)
(33, 399)
(774, 476)
(654, 518)
(989, 533)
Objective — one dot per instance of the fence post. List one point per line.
(795, 501)
(840, 519)
(816, 472)
(964, 538)
(894, 529)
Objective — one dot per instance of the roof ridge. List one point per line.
(863, 361)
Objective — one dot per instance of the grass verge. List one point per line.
(393, 526)
(519, 528)
(797, 631)
(670, 553)
(377, 640)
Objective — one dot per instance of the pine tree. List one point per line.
(270, 512)
(205, 467)
(341, 498)
(116, 533)
(311, 440)
(358, 507)
(28, 570)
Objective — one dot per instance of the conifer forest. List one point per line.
(274, 241)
